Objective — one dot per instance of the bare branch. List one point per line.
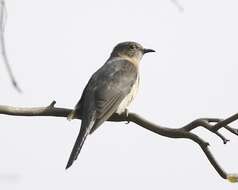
(183, 132)
(178, 5)
(222, 123)
(3, 47)
(206, 123)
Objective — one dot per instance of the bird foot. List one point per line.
(127, 116)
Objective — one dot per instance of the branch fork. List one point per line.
(211, 124)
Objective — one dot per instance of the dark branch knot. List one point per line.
(52, 104)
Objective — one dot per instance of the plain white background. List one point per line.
(54, 46)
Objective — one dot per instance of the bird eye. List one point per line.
(132, 47)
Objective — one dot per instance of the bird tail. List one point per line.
(84, 131)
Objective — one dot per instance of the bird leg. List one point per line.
(126, 114)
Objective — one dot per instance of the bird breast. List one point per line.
(129, 98)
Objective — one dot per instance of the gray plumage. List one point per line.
(109, 90)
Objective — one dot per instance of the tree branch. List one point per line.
(183, 132)
(2, 44)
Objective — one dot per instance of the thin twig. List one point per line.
(183, 132)
(178, 5)
(3, 47)
(206, 123)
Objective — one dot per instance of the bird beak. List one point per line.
(148, 51)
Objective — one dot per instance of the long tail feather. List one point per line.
(84, 131)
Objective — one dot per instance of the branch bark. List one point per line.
(211, 124)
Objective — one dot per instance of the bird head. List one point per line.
(131, 50)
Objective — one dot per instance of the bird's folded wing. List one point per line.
(111, 85)
(106, 105)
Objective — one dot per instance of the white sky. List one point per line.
(55, 45)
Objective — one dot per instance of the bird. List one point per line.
(110, 90)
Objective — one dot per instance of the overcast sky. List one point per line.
(54, 46)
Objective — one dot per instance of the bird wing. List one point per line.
(115, 83)
(106, 107)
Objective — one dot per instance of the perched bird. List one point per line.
(110, 90)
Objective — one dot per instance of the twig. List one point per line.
(3, 47)
(183, 132)
(178, 5)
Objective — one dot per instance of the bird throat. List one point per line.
(134, 60)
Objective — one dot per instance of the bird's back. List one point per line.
(107, 89)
